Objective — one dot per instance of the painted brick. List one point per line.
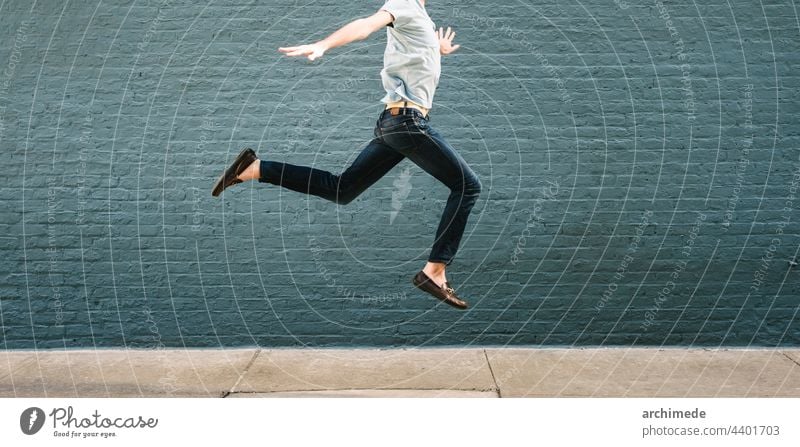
(663, 131)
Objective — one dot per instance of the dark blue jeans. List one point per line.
(396, 137)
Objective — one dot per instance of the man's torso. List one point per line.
(411, 61)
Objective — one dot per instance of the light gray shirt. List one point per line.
(411, 62)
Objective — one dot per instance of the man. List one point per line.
(410, 75)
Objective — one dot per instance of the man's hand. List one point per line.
(446, 41)
(312, 51)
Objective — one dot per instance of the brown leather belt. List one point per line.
(395, 107)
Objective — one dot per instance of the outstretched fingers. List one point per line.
(312, 51)
(301, 50)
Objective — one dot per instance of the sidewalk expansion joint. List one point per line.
(491, 371)
(241, 376)
(790, 358)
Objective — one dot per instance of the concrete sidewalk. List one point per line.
(434, 372)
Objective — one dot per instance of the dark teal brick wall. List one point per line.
(640, 165)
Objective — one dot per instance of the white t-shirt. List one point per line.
(411, 62)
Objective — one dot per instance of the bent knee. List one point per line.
(343, 199)
(346, 195)
(469, 186)
(478, 185)
(472, 185)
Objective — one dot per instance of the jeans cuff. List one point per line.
(264, 171)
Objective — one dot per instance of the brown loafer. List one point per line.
(245, 158)
(446, 293)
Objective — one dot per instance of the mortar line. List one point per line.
(241, 376)
(491, 371)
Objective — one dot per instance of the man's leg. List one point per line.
(443, 162)
(429, 150)
(374, 161)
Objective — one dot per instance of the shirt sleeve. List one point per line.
(400, 10)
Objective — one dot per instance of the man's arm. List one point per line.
(358, 29)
